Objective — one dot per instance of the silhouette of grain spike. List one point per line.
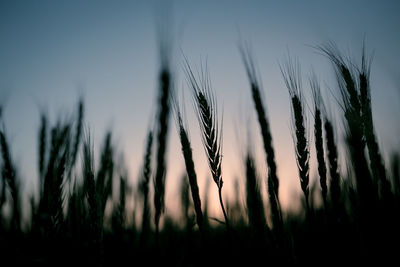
(347, 85)
(319, 143)
(93, 198)
(351, 104)
(376, 160)
(273, 181)
(99, 189)
(292, 77)
(331, 147)
(51, 202)
(42, 150)
(189, 163)
(205, 105)
(165, 90)
(144, 187)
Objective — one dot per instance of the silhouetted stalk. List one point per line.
(367, 190)
(206, 112)
(185, 201)
(273, 181)
(144, 187)
(42, 150)
(163, 116)
(221, 202)
(51, 202)
(319, 143)
(93, 197)
(190, 170)
(205, 206)
(320, 154)
(376, 161)
(255, 207)
(331, 148)
(292, 78)
(98, 190)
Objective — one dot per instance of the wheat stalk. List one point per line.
(273, 181)
(332, 153)
(51, 202)
(376, 160)
(42, 150)
(144, 187)
(163, 116)
(190, 169)
(352, 108)
(93, 197)
(185, 201)
(319, 143)
(254, 202)
(205, 105)
(292, 77)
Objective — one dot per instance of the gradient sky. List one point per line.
(51, 52)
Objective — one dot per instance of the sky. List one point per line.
(52, 52)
